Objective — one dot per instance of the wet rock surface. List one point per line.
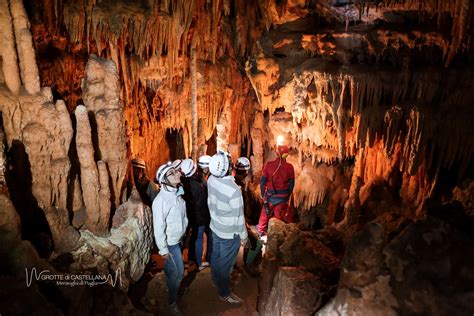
(425, 268)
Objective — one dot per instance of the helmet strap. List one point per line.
(166, 184)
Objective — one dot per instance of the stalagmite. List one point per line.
(24, 44)
(89, 174)
(104, 197)
(102, 98)
(8, 53)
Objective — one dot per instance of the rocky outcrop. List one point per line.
(45, 129)
(16, 254)
(125, 251)
(464, 193)
(416, 268)
(298, 270)
(294, 292)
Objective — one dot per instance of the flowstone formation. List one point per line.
(77, 167)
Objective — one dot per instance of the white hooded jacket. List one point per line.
(169, 219)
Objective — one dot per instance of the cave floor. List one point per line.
(200, 298)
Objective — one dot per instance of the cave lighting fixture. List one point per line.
(280, 140)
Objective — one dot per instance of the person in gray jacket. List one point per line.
(169, 225)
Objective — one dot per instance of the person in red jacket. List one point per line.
(276, 186)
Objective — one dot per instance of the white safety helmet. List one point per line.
(176, 164)
(203, 161)
(243, 164)
(161, 172)
(188, 167)
(220, 164)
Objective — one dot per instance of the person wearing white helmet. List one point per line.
(227, 223)
(187, 167)
(198, 210)
(169, 225)
(242, 167)
(145, 187)
(176, 163)
(203, 164)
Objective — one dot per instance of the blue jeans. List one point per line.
(198, 244)
(174, 271)
(224, 254)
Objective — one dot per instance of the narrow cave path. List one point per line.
(200, 298)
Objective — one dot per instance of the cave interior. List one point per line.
(374, 99)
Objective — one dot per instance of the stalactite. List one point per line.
(461, 16)
(258, 138)
(222, 127)
(3, 163)
(194, 109)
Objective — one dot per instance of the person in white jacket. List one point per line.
(169, 225)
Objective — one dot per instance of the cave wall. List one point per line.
(385, 85)
(377, 82)
(155, 45)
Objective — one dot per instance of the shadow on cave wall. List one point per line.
(34, 226)
(174, 139)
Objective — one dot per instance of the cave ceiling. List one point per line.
(337, 78)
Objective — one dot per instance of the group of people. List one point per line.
(206, 198)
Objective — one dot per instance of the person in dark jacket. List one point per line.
(201, 218)
(147, 189)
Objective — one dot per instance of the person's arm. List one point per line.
(159, 225)
(291, 180)
(152, 190)
(237, 205)
(263, 180)
(291, 186)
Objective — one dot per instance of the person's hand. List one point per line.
(244, 242)
(166, 257)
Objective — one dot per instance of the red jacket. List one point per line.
(278, 178)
